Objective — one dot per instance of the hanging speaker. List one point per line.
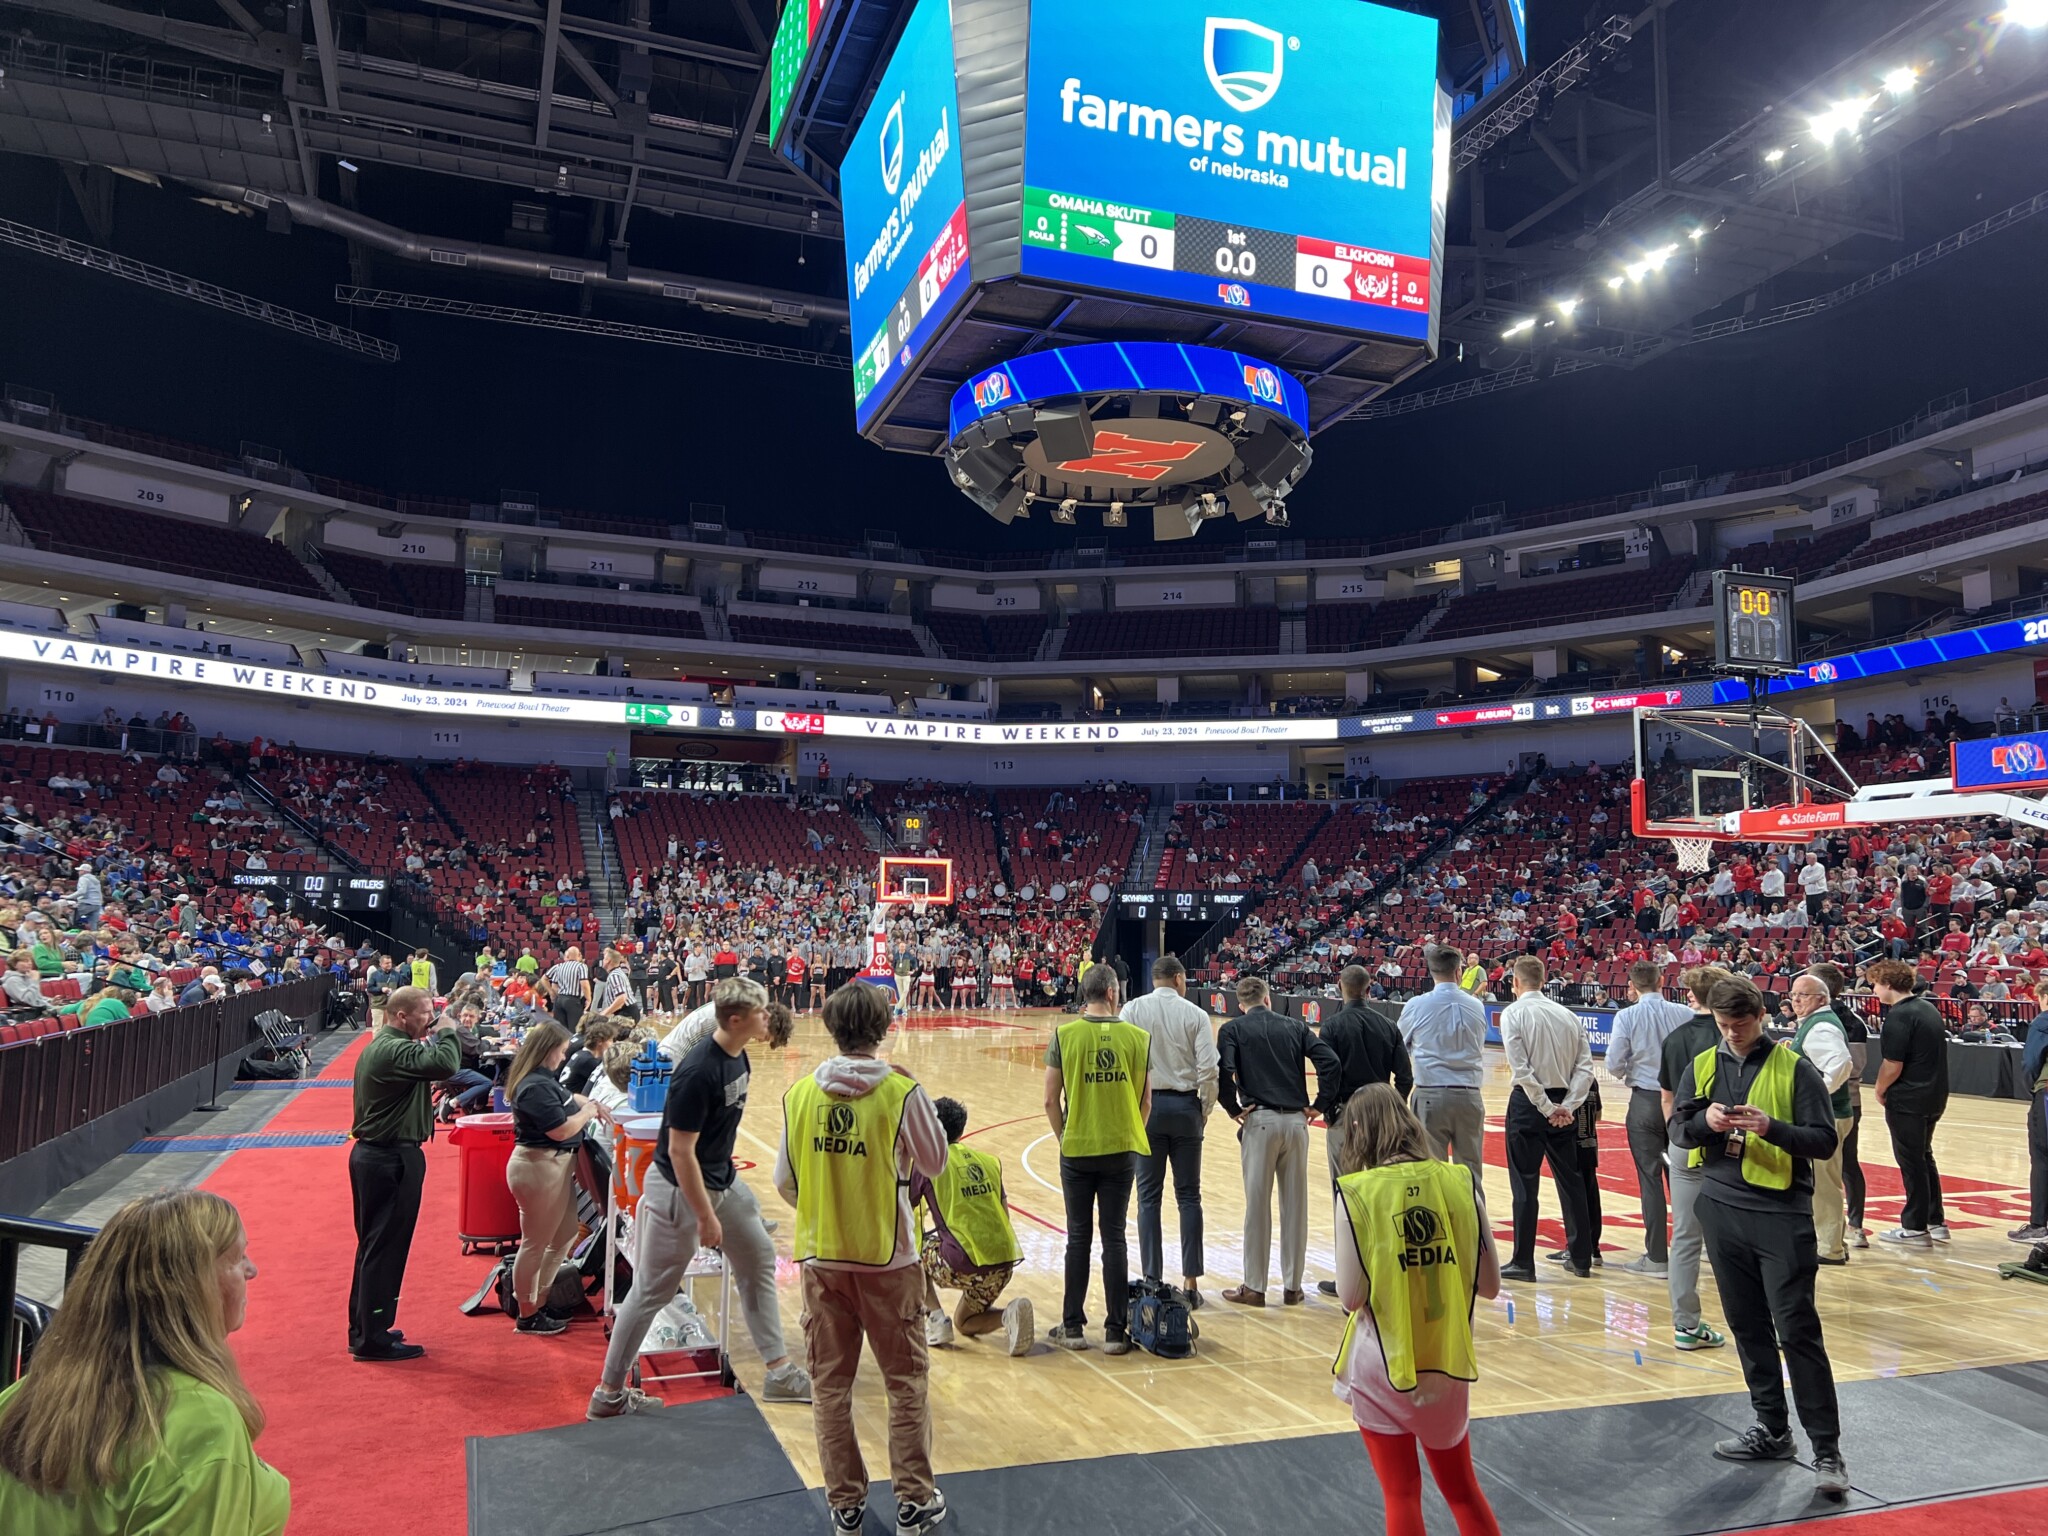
(1066, 433)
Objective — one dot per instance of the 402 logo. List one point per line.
(1822, 672)
(1236, 295)
(991, 391)
(2020, 760)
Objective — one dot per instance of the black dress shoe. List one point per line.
(397, 1336)
(1327, 1287)
(1526, 1273)
(393, 1352)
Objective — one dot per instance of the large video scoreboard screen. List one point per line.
(905, 208)
(1291, 165)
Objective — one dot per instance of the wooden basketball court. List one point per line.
(1264, 1375)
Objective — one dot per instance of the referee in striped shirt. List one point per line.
(618, 997)
(569, 978)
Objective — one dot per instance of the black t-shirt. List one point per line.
(582, 1067)
(540, 1104)
(707, 1094)
(1913, 1036)
(1682, 1047)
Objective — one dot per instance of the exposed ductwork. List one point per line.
(776, 305)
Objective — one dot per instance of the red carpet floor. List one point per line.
(379, 1447)
(2024, 1513)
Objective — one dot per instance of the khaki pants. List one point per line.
(544, 1185)
(885, 1307)
(1830, 1216)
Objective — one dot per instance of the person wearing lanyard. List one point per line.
(1682, 1047)
(1754, 1118)
(1406, 1362)
(2034, 1069)
(1445, 1032)
(972, 1247)
(394, 1114)
(1553, 1072)
(1634, 1053)
(1261, 1084)
(854, 1134)
(548, 1122)
(1822, 1041)
(1183, 1083)
(1098, 1096)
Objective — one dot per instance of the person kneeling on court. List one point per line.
(1414, 1249)
(694, 1197)
(974, 1249)
(853, 1134)
(1755, 1117)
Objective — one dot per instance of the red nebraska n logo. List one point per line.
(1120, 457)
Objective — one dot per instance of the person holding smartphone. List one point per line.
(1754, 1117)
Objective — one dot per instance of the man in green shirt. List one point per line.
(1098, 1096)
(394, 1113)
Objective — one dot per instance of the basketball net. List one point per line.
(918, 904)
(1695, 854)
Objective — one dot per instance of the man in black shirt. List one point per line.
(1912, 1088)
(694, 1197)
(1369, 1049)
(1756, 1115)
(1261, 1085)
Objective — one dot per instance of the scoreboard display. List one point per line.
(335, 891)
(904, 202)
(1295, 166)
(1753, 623)
(1182, 906)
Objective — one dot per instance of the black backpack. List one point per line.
(1162, 1323)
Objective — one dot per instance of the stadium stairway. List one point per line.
(601, 866)
(1143, 875)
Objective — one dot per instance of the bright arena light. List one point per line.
(1900, 82)
(2026, 13)
(1567, 307)
(1843, 117)
(1518, 328)
(1774, 157)
(1617, 280)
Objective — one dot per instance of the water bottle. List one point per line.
(647, 1083)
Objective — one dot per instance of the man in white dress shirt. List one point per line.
(1183, 1075)
(1553, 1072)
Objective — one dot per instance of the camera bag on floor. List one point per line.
(1162, 1323)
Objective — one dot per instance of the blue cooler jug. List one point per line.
(647, 1084)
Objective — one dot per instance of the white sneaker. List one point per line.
(1019, 1325)
(1859, 1237)
(1938, 1234)
(938, 1329)
(1903, 1236)
(610, 1405)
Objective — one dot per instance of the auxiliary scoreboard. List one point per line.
(1753, 623)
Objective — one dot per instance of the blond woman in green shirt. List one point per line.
(133, 1415)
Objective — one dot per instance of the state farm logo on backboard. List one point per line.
(1794, 818)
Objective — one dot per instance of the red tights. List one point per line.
(1400, 1474)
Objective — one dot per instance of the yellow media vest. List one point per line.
(1765, 1166)
(843, 1152)
(1416, 1227)
(969, 1195)
(1104, 1062)
(422, 972)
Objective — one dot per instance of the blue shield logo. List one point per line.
(892, 148)
(1244, 61)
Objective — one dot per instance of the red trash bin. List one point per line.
(486, 1215)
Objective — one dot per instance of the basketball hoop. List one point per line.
(1695, 854)
(918, 905)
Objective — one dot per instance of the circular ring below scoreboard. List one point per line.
(1183, 434)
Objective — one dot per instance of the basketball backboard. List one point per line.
(1734, 775)
(910, 881)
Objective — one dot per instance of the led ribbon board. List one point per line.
(789, 56)
(2001, 762)
(1286, 166)
(905, 212)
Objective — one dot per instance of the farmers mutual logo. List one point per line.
(892, 148)
(1244, 61)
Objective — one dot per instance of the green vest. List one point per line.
(1843, 1098)
(422, 972)
(1104, 1062)
(969, 1195)
(1765, 1166)
(843, 1153)
(1416, 1228)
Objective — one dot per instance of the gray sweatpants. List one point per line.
(1456, 1121)
(664, 1242)
(1274, 1149)
(1687, 1242)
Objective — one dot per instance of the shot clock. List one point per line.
(1753, 623)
